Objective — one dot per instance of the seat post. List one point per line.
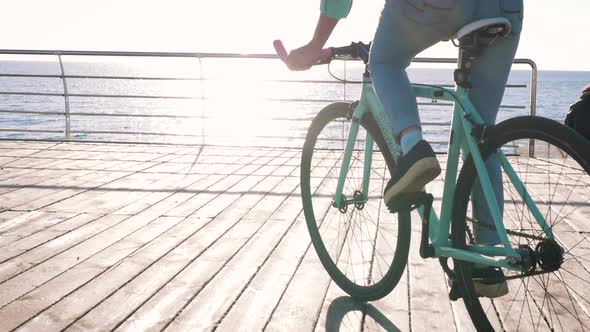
(469, 48)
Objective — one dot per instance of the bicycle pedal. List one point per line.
(409, 201)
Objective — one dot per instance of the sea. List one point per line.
(221, 101)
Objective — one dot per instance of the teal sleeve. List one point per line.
(336, 8)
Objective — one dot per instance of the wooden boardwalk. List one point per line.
(133, 237)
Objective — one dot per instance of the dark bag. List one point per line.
(578, 118)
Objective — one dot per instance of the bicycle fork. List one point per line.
(360, 195)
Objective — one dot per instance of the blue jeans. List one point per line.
(406, 28)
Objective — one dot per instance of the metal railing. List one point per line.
(71, 133)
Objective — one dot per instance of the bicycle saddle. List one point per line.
(489, 27)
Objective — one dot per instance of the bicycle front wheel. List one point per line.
(362, 246)
(554, 294)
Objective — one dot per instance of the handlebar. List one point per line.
(353, 51)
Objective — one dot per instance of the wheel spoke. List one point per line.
(557, 183)
(359, 238)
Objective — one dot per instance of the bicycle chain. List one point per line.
(493, 228)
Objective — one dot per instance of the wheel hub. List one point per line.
(549, 255)
(358, 197)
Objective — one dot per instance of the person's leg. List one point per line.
(404, 30)
(489, 76)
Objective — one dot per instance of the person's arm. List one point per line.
(302, 58)
(331, 12)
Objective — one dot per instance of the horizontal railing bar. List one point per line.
(31, 112)
(200, 55)
(83, 95)
(62, 140)
(31, 131)
(106, 132)
(31, 75)
(40, 94)
(142, 54)
(58, 140)
(298, 148)
(150, 115)
(182, 135)
(131, 78)
(95, 132)
(182, 116)
(104, 77)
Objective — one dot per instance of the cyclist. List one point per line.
(578, 117)
(406, 28)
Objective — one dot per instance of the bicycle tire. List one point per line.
(377, 280)
(549, 300)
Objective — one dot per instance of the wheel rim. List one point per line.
(356, 243)
(548, 300)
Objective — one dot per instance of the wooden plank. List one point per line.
(75, 186)
(391, 312)
(130, 164)
(27, 308)
(38, 239)
(182, 184)
(8, 216)
(113, 195)
(38, 275)
(340, 312)
(6, 177)
(302, 301)
(32, 258)
(166, 303)
(192, 206)
(226, 285)
(32, 226)
(19, 220)
(62, 200)
(221, 292)
(72, 203)
(190, 182)
(67, 310)
(255, 305)
(4, 160)
(222, 184)
(19, 196)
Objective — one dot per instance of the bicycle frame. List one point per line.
(465, 118)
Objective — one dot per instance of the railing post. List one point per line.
(533, 102)
(202, 82)
(66, 97)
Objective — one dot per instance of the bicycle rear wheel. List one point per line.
(555, 294)
(362, 246)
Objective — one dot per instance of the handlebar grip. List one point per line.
(280, 49)
(326, 53)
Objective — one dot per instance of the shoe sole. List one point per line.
(420, 174)
(490, 291)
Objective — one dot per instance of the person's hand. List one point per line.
(304, 57)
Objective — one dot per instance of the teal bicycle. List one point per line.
(349, 155)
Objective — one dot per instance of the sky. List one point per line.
(554, 35)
